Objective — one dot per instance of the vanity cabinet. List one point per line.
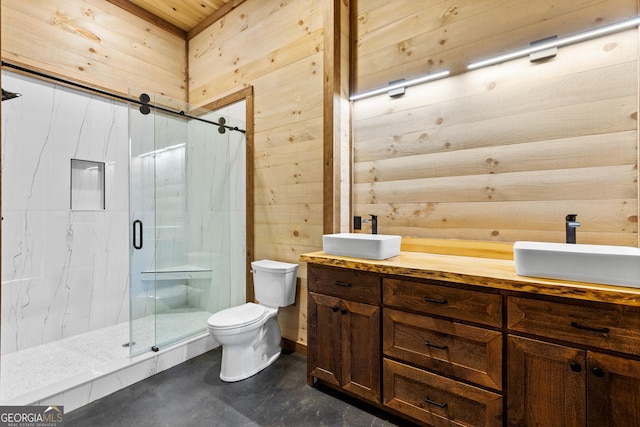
(442, 350)
(343, 320)
(558, 373)
(473, 351)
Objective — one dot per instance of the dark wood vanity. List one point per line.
(455, 340)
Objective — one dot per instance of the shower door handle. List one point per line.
(137, 226)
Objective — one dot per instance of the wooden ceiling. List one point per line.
(183, 17)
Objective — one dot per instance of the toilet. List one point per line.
(249, 333)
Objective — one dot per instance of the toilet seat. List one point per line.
(237, 317)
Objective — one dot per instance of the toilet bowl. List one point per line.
(249, 333)
(250, 339)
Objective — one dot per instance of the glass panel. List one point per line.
(192, 261)
(141, 230)
(172, 240)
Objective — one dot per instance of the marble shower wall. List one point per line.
(64, 272)
(216, 180)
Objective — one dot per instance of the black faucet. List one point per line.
(374, 223)
(357, 223)
(570, 227)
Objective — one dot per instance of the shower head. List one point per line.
(6, 95)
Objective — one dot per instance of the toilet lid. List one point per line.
(273, 266)
(236, 317)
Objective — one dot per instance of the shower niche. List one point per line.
(186, 222)
(87, 185)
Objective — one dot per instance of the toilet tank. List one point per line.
(274, 282)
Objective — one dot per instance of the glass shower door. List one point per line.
(142, 230)
(180, 224)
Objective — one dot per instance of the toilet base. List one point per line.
(244, 375)
(243, 361)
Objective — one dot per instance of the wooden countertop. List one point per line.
(487, 272)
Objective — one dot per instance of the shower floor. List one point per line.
(28, 370)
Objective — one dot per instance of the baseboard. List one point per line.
(289, 346)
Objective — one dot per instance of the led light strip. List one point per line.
(423, 79)
(563, 41)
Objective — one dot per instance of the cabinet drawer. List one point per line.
(438, 401)
(462, 304)
(611, 327)
(465, 352)
(353, 285)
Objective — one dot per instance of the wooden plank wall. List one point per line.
(94, 42)
(276, 47)
(501, 153)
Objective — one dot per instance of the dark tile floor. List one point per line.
(192, 394)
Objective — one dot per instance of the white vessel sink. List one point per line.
(612, 265)
(357, 245)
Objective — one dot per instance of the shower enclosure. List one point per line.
(185, 231)
(121, 233)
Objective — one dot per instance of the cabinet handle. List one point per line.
(344, 284)
(575, 367)
(598, 372)
(431, 402)
(344, 311)
(335, 309)
(436, 301)
(590, 328)
(441, 347)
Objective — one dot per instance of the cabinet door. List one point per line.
(613, 391)
(361, 349)
(546, 384)
(324, 353)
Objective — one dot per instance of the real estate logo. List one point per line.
(31, 416)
